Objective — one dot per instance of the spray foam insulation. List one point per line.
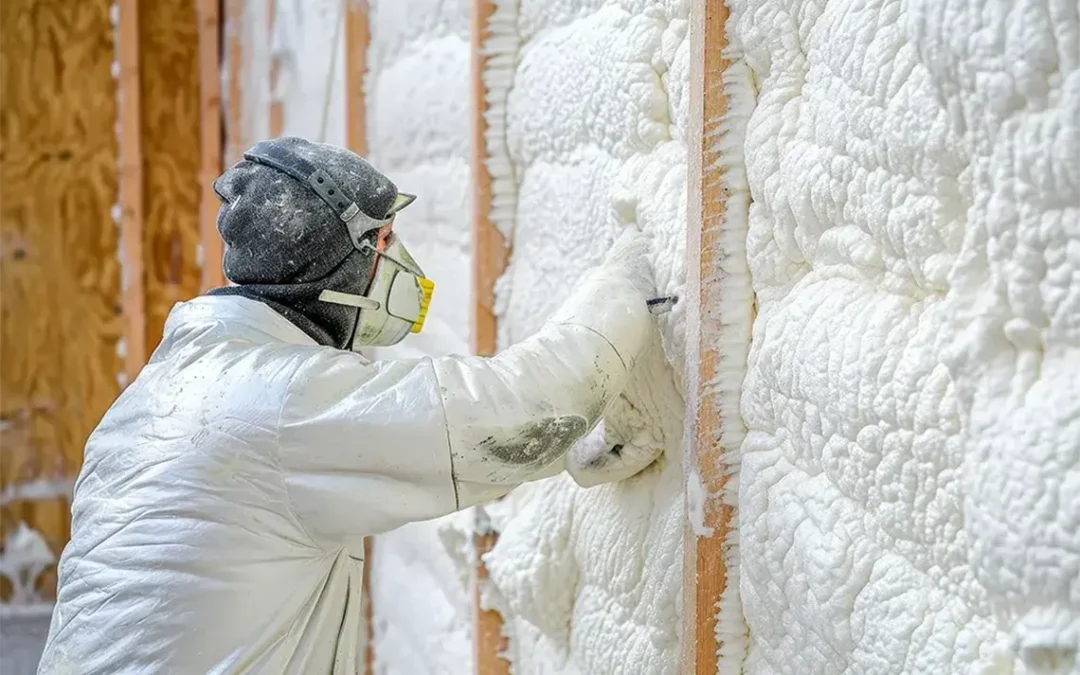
(910, 481)
(586, 134)
(307, 41)
(418, 121)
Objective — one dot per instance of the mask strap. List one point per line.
(409, 268)
(349, 300)
(318, 181)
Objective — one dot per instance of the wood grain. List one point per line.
(704, 566)
(489, 257)
(60, 310)
(170, 123)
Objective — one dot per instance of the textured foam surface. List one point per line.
(595, 138)
(910, 488)
(417, 93)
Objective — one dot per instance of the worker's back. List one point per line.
(186, 555)
(218, 522)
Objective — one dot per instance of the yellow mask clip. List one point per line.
(427, 288)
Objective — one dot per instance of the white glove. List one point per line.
(636, 428)
(611, 299)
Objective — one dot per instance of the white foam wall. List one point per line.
(909, 488)
(418, 98)
(308, 40)
(419, 115)
(589, 580)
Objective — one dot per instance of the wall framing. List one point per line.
(705, 573)
(490, 253)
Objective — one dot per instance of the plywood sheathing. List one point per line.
(170, 118)
(704, 568)
(60, 310)
(210, 141)
(489, 256)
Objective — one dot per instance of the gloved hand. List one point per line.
(636, 428)
(622, 285)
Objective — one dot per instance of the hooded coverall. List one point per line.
(219, 517)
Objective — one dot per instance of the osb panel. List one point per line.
(59, 310)
(169, 71)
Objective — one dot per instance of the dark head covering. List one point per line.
(284, 245)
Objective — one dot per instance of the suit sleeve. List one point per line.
(367, 447)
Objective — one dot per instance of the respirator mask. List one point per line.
(398, 294)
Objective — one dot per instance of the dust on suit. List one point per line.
(219, 517)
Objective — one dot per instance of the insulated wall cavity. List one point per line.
(308, 41)
(419, 117)
(910, 486)
(418, 124)
(302, 44)
(586, 125)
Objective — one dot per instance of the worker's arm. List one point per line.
(369, 447)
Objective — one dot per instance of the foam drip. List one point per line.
(736, 312)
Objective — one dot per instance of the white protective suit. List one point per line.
(218, 520)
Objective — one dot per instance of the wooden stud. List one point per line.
(357, 39)
(210, 140)
(235, 138)
(277, 106)
(490, 251)
(131, 188)
(490, 254)
(704, 567)
(490, 643)
(365, 602)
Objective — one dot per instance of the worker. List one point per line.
(219, 518)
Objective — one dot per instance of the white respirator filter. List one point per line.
(397, 300)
